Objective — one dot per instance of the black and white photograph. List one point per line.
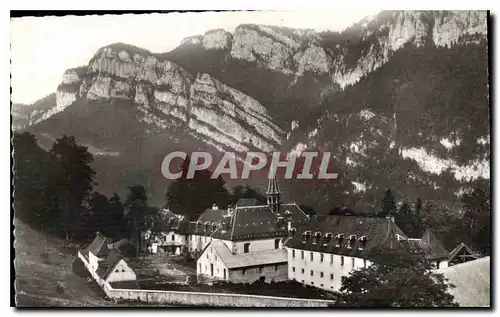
(211, 159)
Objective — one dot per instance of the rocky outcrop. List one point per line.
(217, 40)
(170, 96)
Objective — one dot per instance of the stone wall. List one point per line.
(276, 273)
(210, 299)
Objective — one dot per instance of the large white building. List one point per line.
(324, 250)
(245, 243)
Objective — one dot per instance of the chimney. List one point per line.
(215, 207)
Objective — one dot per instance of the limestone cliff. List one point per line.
(169, 96)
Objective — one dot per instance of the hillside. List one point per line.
(43, 273)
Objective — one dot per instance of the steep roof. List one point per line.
(463, 247)
(233, 261)
(431, 244)
(381, 236)
(98, 247)
(248, 223)
(472, 280)
(107, 265)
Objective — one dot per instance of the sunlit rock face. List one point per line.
(169, 96)
(217, 40)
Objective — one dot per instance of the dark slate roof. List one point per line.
(107, 265)
(122, 246)
(248, 223)
(245, 202)
(431, 244)
(98, 247)
(460, 247)
(381, 236)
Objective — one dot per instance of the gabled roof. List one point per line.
(472, 281)
(98, 247)
(233, 261)
(463, 247)
(107, 265)
(381, 236)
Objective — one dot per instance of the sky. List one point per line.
(42, 48)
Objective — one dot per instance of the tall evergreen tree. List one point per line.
(136, 210)
(388, 204)
(71, 182)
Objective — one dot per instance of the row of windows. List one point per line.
(321, 274)
(312, 283)
(322, 258)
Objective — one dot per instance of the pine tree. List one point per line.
(388, 204)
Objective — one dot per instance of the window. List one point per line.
(207, 255)
(352, 262)
(331, 276)
(260, 269)
(321, 285)
(276, 267)
(199, 266)
(302, 254)
(216, 258)
(312, 273)
(246, 248)
(293, 254)
(303, 271)
(312, 257)
(277, 243)
(123, 270)
(331, 258)
(364, 262)
(173, 237)
(293, 269)
(244, 272)
(341, 261)
(321, 257)
(116, 271)
(312, 283)
(320, 274)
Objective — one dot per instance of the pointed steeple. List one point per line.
(273, 195)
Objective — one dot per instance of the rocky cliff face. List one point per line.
(294, 52)
(169, 96)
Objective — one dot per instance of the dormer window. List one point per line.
(305, 236)
(400, 237)
(362, 242)
(328, 238)
(281, 221)
(351, 240)
(288, 215)
(292, 231)
(214, 226)
(340, 238)
(317, 236)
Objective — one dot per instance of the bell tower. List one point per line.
(273, 195)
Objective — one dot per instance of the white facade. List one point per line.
(210, 264)
(322, 270)
(169, 238)
(121, 272)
